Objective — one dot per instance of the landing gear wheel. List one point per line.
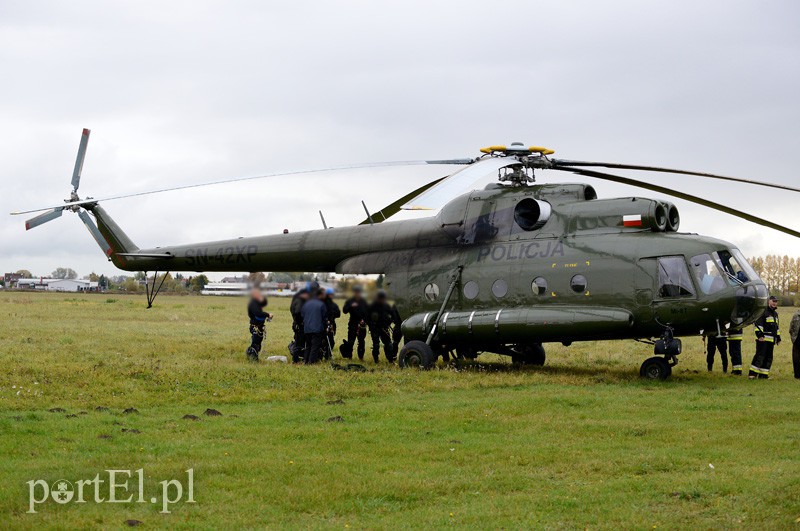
(655, 368)
(416, 354)
(529, 355)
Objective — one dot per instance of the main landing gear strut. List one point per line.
(153, 291)
(666, 350)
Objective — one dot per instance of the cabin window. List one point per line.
(539, 286)
(500, 288)
(707, 274)
(736, 267)
(471, 289)
(432, 291)
(578, 283)
(673, 278)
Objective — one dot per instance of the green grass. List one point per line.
(581, 442)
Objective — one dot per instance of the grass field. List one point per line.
(579, 443)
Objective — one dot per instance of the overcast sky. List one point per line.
(184, 92)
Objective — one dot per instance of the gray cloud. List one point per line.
(177, 93)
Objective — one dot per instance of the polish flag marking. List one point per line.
(632, 220)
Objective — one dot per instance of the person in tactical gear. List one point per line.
(315, 317)
(255, 310)
(298, 346)
(356, 308)
(380, 318)
(397, 331)
(714, 343)
(735, 350)
(794, 333)
(768, 334)
(333, 314)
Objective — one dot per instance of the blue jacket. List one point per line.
(315, 316)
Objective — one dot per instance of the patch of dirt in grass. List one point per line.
(212, 413)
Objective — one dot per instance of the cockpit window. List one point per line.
(673, 278)
(735, 267)
(708, 275)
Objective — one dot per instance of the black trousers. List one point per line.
(712, 345)
(796, 357)
(735, 350)
(381, 335)
(298, 353)
(314, 347)
(762, 361)
(357, 334)
(331, 341)
(256, 337)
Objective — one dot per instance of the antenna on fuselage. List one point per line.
(324, 225)
(369, 216)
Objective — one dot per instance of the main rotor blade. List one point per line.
(681, 195)
(458, 183)
(393, 208)
(76, 173)
(95, 232)
(252, 178)
(43, 218)
(576, 163)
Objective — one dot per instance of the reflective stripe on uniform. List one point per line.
(770, 319)
(737, 337)
(756, 370)
(769, 339)
(737, 367)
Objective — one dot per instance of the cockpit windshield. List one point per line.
(735, 266)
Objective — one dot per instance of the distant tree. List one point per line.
(140, 275)
(198, 282)
(93, 277)
(130, 285)
(379, 281)
(2, 282)
(102, 282)
(64, 272)
(24, 273)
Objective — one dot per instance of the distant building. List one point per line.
(11, 279)
(270, 289)
(57, 284)
(72, 285)
(34, 283)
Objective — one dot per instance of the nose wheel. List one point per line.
(656, 368)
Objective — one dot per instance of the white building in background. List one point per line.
(34, 283)
(270, 289)
(72, 285)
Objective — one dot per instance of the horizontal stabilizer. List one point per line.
(147, 255)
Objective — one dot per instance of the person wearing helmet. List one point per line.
(380, 318)
(333, 313)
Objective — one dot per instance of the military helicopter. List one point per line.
(504, 269)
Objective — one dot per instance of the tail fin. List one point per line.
(117, 240)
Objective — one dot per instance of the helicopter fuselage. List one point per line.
(520, 264)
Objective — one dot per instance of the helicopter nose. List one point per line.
(751, 300)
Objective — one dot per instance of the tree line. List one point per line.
(781, 274)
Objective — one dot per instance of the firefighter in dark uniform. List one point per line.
(333, 314)
(714, 343)
(380, 318)
(735, 350)
(298, 346)
(768, 334)
(255, 310)
(356, 308)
